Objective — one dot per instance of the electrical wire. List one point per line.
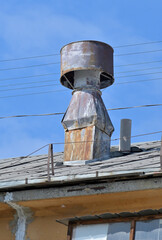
(138, 74)
(37, 93)
(141, 106)
(47, 64)
(143, 69)
(139, 63)
(139, 135)
(66, 90)
(63, 143)
(30, 76)
(31, 66)
(49, 74)
(24, 88)
(115, 139)
(138, 81)
(33, 115)
(28, 83)
(30, 57)
(137, 44)
(57, 54)
(61, 113)
(134, 53)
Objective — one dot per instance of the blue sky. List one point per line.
(33, 28)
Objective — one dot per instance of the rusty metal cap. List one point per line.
(87, 55)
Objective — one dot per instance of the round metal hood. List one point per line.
(87, 55)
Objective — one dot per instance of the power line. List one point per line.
(40, 86)
(30, 57)
(147, 80)
(57, 54)
(31, 66)
(50, 74)
(63, 143)
(143, 69)
(46, 64)
(139, 63)
(137, 44)
(139, 135)
(19, 84)
(115, 139)
(141, 106)
(31, 76)
(134, 53)
(33, 115)
(24, 88)
(28, 83)
(27, 94)
(61, 113)
(138, 74)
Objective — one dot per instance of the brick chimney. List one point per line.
(87, 67)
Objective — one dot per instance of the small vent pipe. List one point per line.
(125, 135)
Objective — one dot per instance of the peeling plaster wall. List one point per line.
(21, 219)
(43, 223)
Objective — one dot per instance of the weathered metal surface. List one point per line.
(79, 144)
(87, 119)
(88, 127)
(84, 55)
(101, 147)
(86, 144)
(86, 109)
(87, 79)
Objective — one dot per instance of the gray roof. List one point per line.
(22, 172)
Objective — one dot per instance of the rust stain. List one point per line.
(79, 144)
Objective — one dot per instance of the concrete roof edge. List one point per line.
(100, 187)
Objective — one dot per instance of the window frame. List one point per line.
(132, 220)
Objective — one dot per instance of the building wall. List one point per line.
(5, 229)
(42, 223)
(46, 228)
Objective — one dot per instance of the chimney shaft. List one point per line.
(88, 128)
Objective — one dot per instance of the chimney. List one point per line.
(87, 67)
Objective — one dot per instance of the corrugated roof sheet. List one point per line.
(111, 216)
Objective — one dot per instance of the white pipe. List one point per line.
(125, 135)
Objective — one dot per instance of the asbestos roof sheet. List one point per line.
(145, 158)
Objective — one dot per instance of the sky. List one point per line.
(35, 28)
